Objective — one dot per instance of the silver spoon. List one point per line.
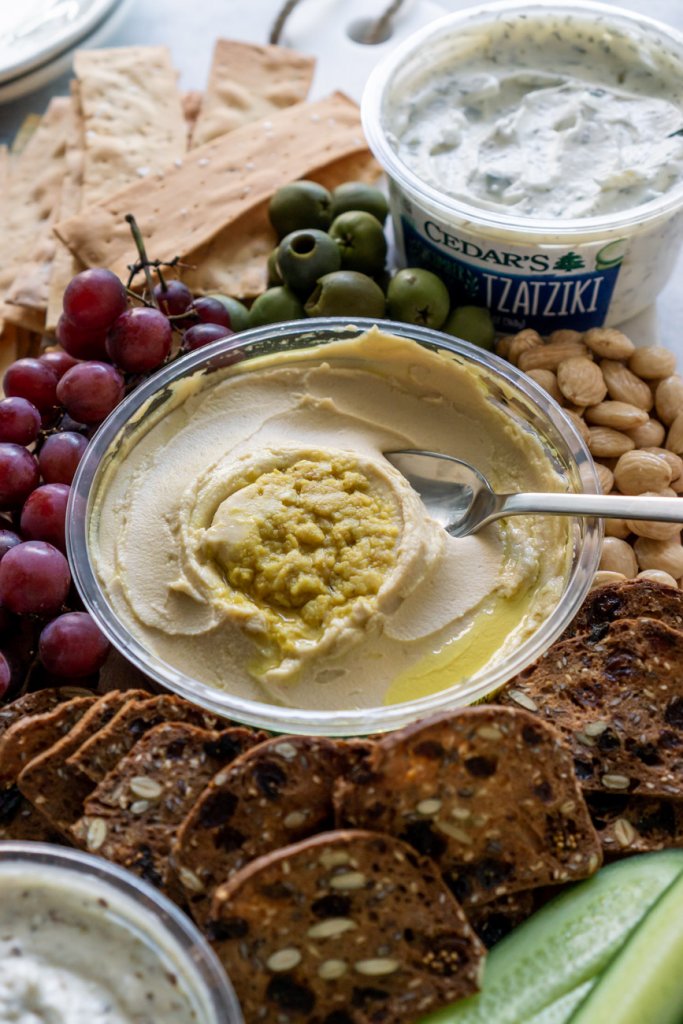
(461, 499)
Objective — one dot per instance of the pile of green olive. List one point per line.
(331, 261)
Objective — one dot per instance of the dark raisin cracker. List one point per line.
(618, 700)
(53, 786)
(274, 794)
(635, 824)
(489, 793)
(134, 813)
(20, 821)
(631, 599)
(348, 927)
(33, 734)
(100, 754)
(36, 704)
(494, 920)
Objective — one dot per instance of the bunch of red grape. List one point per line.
(53, 404)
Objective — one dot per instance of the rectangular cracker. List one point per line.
(247, 82)
(64, 264)
(183, 208)
(132, 116)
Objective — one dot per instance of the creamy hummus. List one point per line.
(250, 532)
(65, 958)
(544, 116)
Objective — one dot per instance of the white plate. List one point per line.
(33, 32)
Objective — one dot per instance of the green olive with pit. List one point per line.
(273, 271)
(361, 242)
(274, 306)
(417, 296)
(346, 293)
(473, 324)
(237, 311)
(301, 204)
(356, 195)
(304, 256)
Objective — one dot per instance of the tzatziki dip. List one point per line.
(550, 117)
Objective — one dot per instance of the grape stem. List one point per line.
(144, 262)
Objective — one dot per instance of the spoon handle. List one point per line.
(606, 506)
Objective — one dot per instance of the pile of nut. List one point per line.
(627, 404)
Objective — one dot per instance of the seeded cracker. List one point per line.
(134, 813)
(618, 700)
(486, 793)
(348, 927)
(632, 599)
(494, 920)
(34, 733)
(272, 795)
(635, 824)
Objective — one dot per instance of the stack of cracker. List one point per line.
(196, 170)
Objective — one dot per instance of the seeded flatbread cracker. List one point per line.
(618, 700)
(631, 599)
(134, 813)
(102, 752)
(32, 734)
(247, 82)
(56, 789)
(195, 199)
(486, 793)
(272, 795)
(494, 920)
(348, 927)
(635, 824)
(64, 264)
(21, 822)
(36, 704)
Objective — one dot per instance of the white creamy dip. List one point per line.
(550, 116)
(65, 958)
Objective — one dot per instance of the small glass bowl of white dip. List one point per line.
(535, 158)
(89, 942)
(118, 454)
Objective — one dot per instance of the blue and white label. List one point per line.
(546, 288)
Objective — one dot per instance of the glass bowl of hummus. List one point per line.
(237, 533)
(84, 940)
(535, 158)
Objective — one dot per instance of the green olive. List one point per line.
(274, 306)
(361, 241)
(273, 271)
(356, 195)
(301, 204)
(304, 256)
(417, 296)
(346, 293)
(239, 314)
(472, 323)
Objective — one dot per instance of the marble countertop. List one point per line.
(324, 28)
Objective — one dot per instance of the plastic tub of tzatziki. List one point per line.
(535, 158)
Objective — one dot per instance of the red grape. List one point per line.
(32, 380)
(19, 421)
(174, 299)
(140, 340)
(59, 457)
(59, 360)
(18, 475)
(89, 391)
(79, 343)
(204, 334)
(8, 539)
(34, 579)
(5, 675)
(211, 311)
(43, 516)
(94, 299)
(72, 645)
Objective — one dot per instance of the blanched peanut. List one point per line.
(605, 476)
(549, 357)
(640, 471)
(548, 381)
(619, 415)
(674, 439)
(522, 342)
(580, 425)
(652, 362)
(617, 556)
(651, 433)
(607, 443)
(657, 576)
(666, 555)
(581, 381)
(604, 576)
(669, 398)
(609, 343)
(617, 528)
(675, 461)
(624, 386)
(565, 335)
(677, 485)
(651, 528)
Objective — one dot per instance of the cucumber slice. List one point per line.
(644, 981)
(566, 943)
(561, 1010)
